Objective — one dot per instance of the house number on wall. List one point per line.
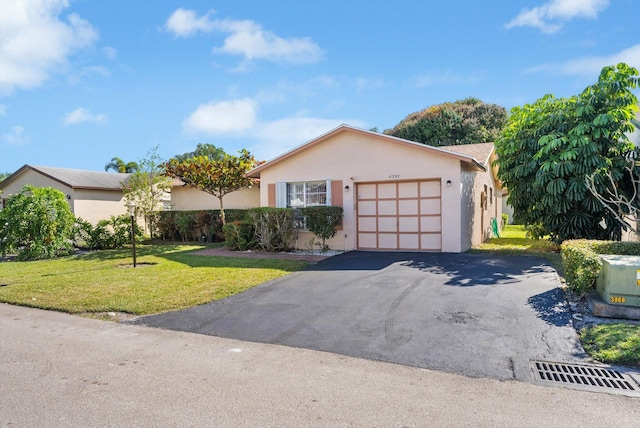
(394, 175)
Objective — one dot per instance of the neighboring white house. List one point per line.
(396, 194)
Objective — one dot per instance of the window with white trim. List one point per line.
(300, 194)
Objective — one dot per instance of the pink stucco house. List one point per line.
(396, 194)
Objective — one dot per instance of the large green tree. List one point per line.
(148, 186)
(465, 121)
(36, 223)
(118, 165)
(550, 148)
(207, 150)
(218, 177)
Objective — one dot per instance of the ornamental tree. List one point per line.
(550, 147)
(218, 177)
(36, 223)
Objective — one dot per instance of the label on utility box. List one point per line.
(617, 299)
(638, 277)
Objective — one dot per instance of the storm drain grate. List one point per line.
(587, 377)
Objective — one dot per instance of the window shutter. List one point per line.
(281, 194)
(336, 193)
(329, 199)
(271, 195)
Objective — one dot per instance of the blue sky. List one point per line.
(86, 80)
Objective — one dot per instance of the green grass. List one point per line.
(513, 241)
(168, 277)
(617, 344)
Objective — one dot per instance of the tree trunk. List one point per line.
(222, 216)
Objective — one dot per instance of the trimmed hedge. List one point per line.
(274, 228)
(192, 225)
(582, 263)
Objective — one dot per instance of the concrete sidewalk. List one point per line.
(58, 370)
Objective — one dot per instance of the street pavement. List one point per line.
(58, 370)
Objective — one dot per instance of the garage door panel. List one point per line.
(367, 224)
(387, 224)
(368, 240)
(430, 206)
(387, 191)
(388, 241)
(430, 224)
(431, 241)
(367, 208)
(408, 224)
(408, 207)
(408, 190)
(387, 208)
(430, 189)
(366, 191)
(409, 241)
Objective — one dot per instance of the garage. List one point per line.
(399, 215)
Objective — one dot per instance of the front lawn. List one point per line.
(168, 277)
(514, 241)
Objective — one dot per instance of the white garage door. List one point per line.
(399, 216)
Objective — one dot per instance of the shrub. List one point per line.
(239, 236)
(322, 221)
(582, 263)
(36, 223)
(274, 228)
(505, 219)
(191, 225)
(106, 234)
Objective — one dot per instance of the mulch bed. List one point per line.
(223, 252)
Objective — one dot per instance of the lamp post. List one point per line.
(132, 212)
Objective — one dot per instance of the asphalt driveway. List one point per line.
(477, 315)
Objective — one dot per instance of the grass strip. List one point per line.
(617, 344)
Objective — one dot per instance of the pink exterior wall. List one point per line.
(187, 198)
(357, 158)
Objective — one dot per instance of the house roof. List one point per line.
(447, 151)
(75, 178)
(482, 151)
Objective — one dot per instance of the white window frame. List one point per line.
(282, 196)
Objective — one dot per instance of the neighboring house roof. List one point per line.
(464, 157)
(75, 178)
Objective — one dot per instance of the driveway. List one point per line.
(477, 315)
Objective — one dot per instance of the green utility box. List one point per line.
(619, 280)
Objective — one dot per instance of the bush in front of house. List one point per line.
(323, 221)
(239, 235)
(106, 234)
(192, 225)
(274, 228)
(582, 263)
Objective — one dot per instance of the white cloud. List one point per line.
(16, 137)
(279, 136)
(245, 38)
(444, 77)
(35, 42)
(592, 65)
(222, 117)
(364, 84)
(552, 15)
(185, 23)
(82, 115)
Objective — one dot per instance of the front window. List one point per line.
(305, 194)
